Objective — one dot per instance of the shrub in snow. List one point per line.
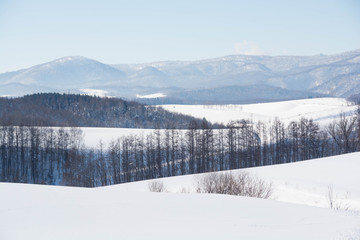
(240, 184)
(334, 202)
(156, 186)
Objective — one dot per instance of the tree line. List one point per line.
(58, 156)
(75, 110)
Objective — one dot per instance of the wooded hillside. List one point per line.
(53, 109)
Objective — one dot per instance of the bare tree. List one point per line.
(115, 160)
(343, 134)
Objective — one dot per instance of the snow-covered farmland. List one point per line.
(322, 110)
(130, 211)
(93, 136)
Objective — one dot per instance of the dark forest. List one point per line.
(74, 110)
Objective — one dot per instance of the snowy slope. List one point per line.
(304, 182)
(127, 212)
(322, 110)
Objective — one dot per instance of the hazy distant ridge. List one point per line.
(334, 75)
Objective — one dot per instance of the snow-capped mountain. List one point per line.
(332, 75)
(64, 73)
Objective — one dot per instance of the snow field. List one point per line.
(305, 182)
(93, 136)
(298, 209)
(130, 211)
(321, 110)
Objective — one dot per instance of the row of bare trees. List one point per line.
(58, 156)
(36, 155)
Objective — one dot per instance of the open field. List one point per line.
(130, 211)
(321, 110)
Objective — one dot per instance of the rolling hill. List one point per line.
(130, 211)
(321, 110)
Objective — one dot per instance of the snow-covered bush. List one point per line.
(156, 186)
(240, 184)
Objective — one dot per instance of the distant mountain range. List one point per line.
(230, 79)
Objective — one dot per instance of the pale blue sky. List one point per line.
(135, 31)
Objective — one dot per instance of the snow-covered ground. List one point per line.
(155, 95)
(130, 211)
(305, 182)
(94, 92)
(322, 110)
(93, 136)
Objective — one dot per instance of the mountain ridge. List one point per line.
(331, 75)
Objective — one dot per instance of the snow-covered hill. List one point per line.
(68, 73)
(130, 211)
(304, 182)
(321, 110)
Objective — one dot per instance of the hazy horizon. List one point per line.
(128, 32)
(174, 60)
